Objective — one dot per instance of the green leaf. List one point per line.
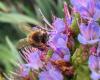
(83, 73)
(6, 59)
(17, 18)
(77, 57)
(3, 6)
(14, 53)
(74, 25)
(26, 10)
(59, 8)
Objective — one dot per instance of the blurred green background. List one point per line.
(15, 15)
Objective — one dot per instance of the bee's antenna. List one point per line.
(45, 19)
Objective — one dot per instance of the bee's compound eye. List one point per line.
(45, 38)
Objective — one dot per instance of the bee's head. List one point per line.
(45, 37)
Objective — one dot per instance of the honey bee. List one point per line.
(36, 38)
(65, 67)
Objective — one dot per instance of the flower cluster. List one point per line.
(78, 33)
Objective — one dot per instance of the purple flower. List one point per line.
(56, 56)
(51, 74)
(58, 40)
(25, 70)
(59, 25)
(97, 11)
(95, 76)
(32, 57)
(90, 33)
(61, 54)
(67, 57)
(34, 60)
(94, 65)
(87, 8)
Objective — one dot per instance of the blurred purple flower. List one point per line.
(87, 8)
(90, 33)
(94, 65)
(33, 58)
(61, 54)
(56, 56)
(50, 74)
(67, 57)
(58, 40)
(95, 76)
(25, 70)
(59, 25)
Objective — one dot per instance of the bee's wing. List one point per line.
(25, 28)
(22, 43)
